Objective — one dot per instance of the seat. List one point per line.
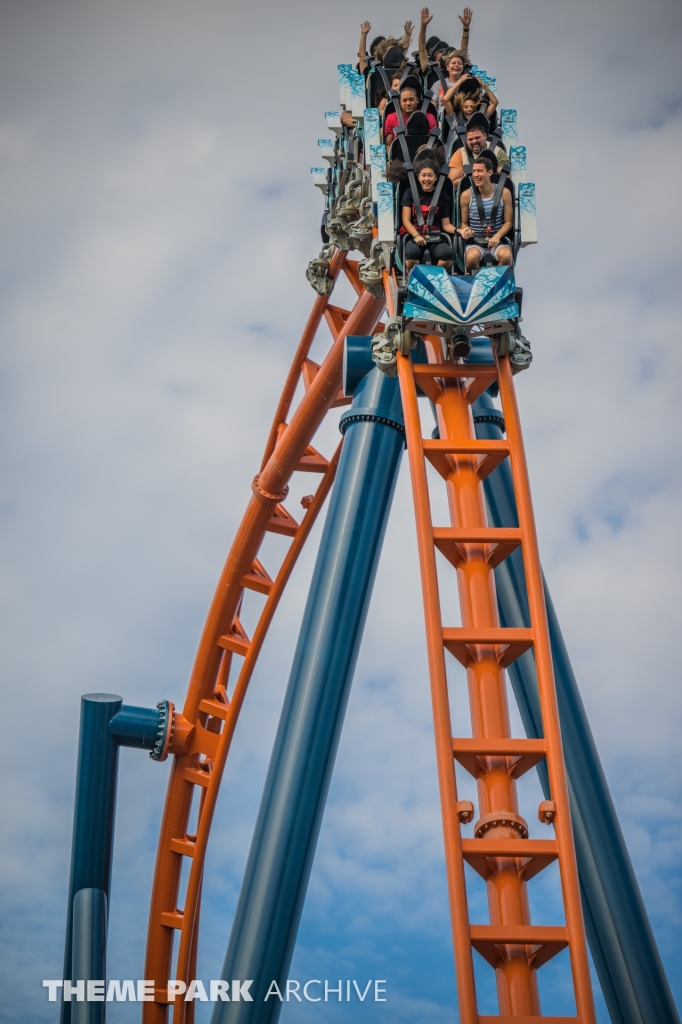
(390, 109)
(417, 134)
(432, 81)
(374, 85)
(413, 142)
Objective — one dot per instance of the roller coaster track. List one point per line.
(452, 336)
(202, 734)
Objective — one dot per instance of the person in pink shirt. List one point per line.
(409, 102)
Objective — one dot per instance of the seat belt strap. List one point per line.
(498, 196)
(434, 137)
(466, 152)
(435, 198)
(407, 160)
(495, 139)
(393, 94)
(410, 66)
(415, 197)
(481, 209)
(441, 76)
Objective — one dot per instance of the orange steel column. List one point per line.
(550, 711)
(507, 896)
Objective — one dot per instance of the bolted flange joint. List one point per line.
(264, 495)
(501, 819)
(163, 735)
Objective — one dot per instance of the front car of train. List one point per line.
(363, 212)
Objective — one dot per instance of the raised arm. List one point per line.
(405, 41)
(362, 46)
(423, 55)
(465, 18)
(448, 97)
(492, 100)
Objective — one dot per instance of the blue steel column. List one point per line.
(279, 863)
(106, 724)
(89, 947)
(93, 819)
(622, 943)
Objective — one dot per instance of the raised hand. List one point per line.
(365, 28)
(425, 16)
(466, 17)
(409, 28)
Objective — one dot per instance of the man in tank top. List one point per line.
(487, 218)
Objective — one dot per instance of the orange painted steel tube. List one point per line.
(550, 711)
(466, 990)
(279, 467)
(507, 895)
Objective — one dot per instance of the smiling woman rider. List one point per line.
(439, 251)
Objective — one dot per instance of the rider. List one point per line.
(437, 45)
(365, 28)
(455, 62)
(439, 251)
(476, 136)
(403, 43)
(458, 101)
(487, 218)
(409, 102)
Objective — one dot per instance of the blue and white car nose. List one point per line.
(485, 301)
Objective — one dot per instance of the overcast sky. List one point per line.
(157, 216)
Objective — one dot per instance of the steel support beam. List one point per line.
(106, 723)
(88, 960)
(94, 812)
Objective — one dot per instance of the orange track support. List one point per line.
(501, 851)
(203, 733)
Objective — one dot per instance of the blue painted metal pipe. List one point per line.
(88, 953)
(137, 727)
(623, 946)
(283, 845)
(106, 724)
(93, 818)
